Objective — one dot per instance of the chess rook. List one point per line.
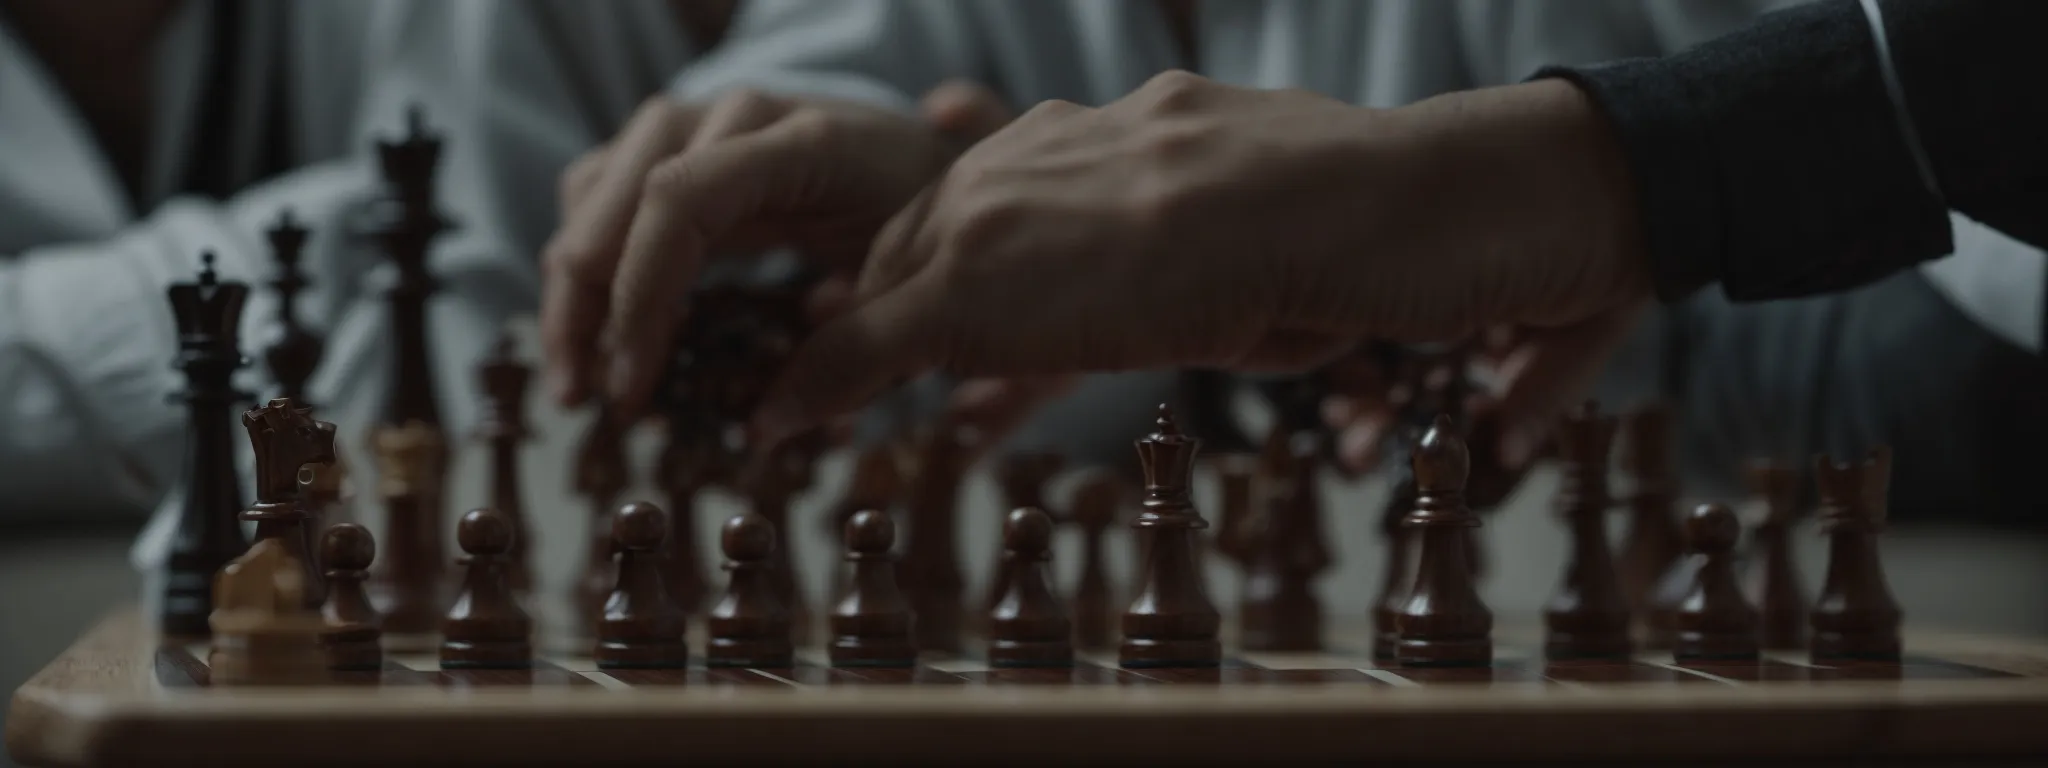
(642, 627)
(354, 633)
(1027, 626)
(1588, 617)
(1443, 622)
(286, 439)
(1170, 621)
(1781, 598)
(486, 629)
(1715, 621)
(1095, 504)
(749, 626)
(1855, 616)
(1280, 611)
(930, 569)
(871, 622)
(209, 315)
(503, 381)
(1651, 540)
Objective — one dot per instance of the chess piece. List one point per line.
(601, 474)
(1715, 622)
(404, 223)
(354, 634)
(413, 573)
(1094, 508)
(1028, 627)
(769, 484)
(1397, 579)
(1780, 596)
(286, 439)
(1855, 616)
(1588, 617)
(1443, 623)
(875, 484)
(209, 316)
(871, 623)
(503, 380)
(1280, 611)
(486, 629)
(642, 627)
(263, 632)
(1652, 541)
(1236, 476)
(687, 464)
(930, 568)
(1170, 622)
(749, 626)
(1021, 477)
(291, 353)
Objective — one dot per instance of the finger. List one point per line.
(578, 179)
(736, 114)
(1549, 370)
(689, 202)
(966, 110)
(1360, 445)
(579, 260)
(998, 407)
(851, 360)
(832, 297)
(895, 256)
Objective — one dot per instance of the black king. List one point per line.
(209, 314)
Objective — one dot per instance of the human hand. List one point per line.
(641, 215)
(1195, 224)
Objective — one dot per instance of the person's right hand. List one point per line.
(642, 213)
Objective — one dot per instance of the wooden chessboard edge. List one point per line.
(48, 725)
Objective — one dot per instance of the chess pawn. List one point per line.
(263, 633)
(642, 627)
(1170, 621)
(1781, 599)
(1443, 623)
(1028, 627)
(1094, 507)
(749, 626)
(355, 631)
(486, 629)
(871, 623)
(1021, 477)
(1715, 621)
(1856, 616)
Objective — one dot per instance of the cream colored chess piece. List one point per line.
(263, 633)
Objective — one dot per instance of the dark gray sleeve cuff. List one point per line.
(1770, 160)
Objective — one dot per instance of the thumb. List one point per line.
(1549, 370)
(965, 110)
(851, 359)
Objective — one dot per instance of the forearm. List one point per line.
(1892, 363)
(1776, 162)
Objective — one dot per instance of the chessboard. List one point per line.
(123, 696)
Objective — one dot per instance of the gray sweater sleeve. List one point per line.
(1775, 162)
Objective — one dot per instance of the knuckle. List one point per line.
(1173, 91)
(814, 127)
(667, 180)
(985, 224)
(741, 102)
(1052, 109)
(658, 109)
(1177, 143)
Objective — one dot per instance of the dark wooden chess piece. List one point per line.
(286, 438)
(875, 484)
(601, 475)
(1027, 626)
(749, 626)
(768, 485)
(1652, 541)
(413, 577)
(209, 316)
(1397, 579)
(1443, 623)
(1094, 508)
(291, 353)
(1715, 622)
(503, 380)
(486, 629)
(642, 627)
(1855, 616)
(1237, 475)
(404, 222)
(1588, 617)
(1170, 622)
(930, 567)
(354, 634)
(688, 464)
(1021, 478)
(871, 623)
(1780, 597)
(1280, 610)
